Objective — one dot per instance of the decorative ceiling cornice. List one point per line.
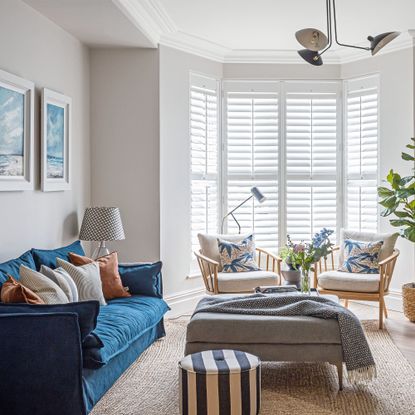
(152, 19)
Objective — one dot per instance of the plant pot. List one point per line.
(408, 294)
(292, 277)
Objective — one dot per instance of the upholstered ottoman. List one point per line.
(271, 338)
(220, 382)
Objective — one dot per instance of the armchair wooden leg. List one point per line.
(346, 303)
(381, 311)
(385, 310)
(339, 366)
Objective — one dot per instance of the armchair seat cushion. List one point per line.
(238, 282)
(347, 281)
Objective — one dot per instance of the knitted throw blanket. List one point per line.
(356, 352)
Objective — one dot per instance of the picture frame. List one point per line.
(55, 141)
(16, 133)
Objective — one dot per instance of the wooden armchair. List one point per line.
(386, 267)
(210, 270)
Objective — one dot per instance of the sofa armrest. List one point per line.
(41, 364)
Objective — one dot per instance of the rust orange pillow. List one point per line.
(110, 278)
(14, 292)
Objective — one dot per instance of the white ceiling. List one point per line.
(228, 30)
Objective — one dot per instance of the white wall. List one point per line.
(125, 145)
(34, 48)
(175, 67)
(396, 128)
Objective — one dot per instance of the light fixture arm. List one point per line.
(231, 213)
(329, 34)
(335, 31)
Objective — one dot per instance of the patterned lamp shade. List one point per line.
(102, 224)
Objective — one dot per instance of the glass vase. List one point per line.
(305, 281)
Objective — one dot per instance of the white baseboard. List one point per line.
(184, 302)
(393, 301)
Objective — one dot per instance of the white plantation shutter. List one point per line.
(361, 153)
(252, 146)
(204, 157)
(312, 167)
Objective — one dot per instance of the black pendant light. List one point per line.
(314, 40)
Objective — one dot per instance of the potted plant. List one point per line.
(300, 258)
(398, 199)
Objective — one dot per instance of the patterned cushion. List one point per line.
(63, 279)
(87, 280)
(238, 256)
(41, 285)
(361, 257)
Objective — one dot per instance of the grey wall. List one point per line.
(34, 48)
(175, 67)
(396, 71)
(125, 145)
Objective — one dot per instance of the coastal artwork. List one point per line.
(55, 141)
(12, 139)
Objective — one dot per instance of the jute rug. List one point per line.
(150, 385)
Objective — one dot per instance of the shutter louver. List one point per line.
(311, 159)
(362, 154)
(204, 158)
(252, 133)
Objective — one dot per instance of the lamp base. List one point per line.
(100, 251)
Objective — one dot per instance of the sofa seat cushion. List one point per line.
(124, 320)
(246, 329)
(238, 282)
(347, 281)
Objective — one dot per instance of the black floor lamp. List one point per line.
(255, 192)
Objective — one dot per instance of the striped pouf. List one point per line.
(220, 382)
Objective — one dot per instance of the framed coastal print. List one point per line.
(55, 141)
(16, 132)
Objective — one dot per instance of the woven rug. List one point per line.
(150, 385)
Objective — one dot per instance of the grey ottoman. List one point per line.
(300, 339)
(220, 382)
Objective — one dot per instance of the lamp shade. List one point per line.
(312, 39)
(101, 224)
(380, 41)
(311, 57)
(258, 194)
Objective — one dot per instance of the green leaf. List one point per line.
(389, 211)
(404, 193)
(402, 222)
(409, 234)
(388, 202)
(407, 157)
(412, 147)
(413, 139)
(402, 214)
(394, 179)
(406, 180)
(412, 204)
(385, 192)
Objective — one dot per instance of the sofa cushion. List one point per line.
(245, 329)
(347, 281)
(238, 282)
(87, 279)
(209, 244)
(142, 279)
(48, 256)
(124, 320)
(13, 291)
(12, 266)
(63, 279)
(361, 257)
(389, 241)
(110, 277)
(43, 286)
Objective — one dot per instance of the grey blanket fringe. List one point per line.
(357, 356)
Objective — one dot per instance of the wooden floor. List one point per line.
(401, 330)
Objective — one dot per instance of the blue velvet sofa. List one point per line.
(41, 358)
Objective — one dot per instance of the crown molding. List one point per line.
(152, 19)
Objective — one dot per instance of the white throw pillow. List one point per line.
(41, 285)
(63, 279)
(87, 279)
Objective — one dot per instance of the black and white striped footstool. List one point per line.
(220, 382)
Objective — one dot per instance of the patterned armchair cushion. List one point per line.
(238, 256)
(361, 257)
